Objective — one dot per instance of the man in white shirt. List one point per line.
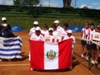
(37, 36)
(59, 29)
(55, 32)
(32, 30)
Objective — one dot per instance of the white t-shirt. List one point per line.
(60, 30)
(45, 32)
(32, 31)
(91, 34)
(37, 38)
(49, 38)
(73, 38)
(56, 33)
(85, 32)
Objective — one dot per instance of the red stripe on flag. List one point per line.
(57, 40)
(65, 54)
(37, 54)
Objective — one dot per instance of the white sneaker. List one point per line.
(0, 59)
(87, 58)
(71, 67)
(92, 61)
(99, 55)
(9, 60)
(82, 55)
(96, 62)
(31, 69)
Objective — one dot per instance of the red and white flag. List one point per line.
(50, 56)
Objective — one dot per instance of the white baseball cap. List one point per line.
(3, 18)
(69, 31)
(5, 25)
(35, 22)
(56, 21)
(37, 28)
(50, 29)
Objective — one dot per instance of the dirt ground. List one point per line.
(22, 66)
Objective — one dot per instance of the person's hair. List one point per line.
(4, 21)
(87, 23)
(91, 24)
(54, 26)
(45, 26)
(66, 25)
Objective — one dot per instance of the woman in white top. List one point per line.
(84, 33)
(44, 30)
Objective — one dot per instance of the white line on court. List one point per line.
(14, 64)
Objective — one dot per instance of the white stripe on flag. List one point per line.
(47, 61)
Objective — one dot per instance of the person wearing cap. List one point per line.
(49, 37)
(3, 21)
(60, 30)
(69, 35)
(55, 32)
(5, 32)
(32, 30)
(37, 36)
(50, 31)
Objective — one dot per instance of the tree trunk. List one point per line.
(66, 3)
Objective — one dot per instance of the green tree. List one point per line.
(66, 3)
(31, 2)
(17, 2)
(26, 2)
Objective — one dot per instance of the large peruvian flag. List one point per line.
(50, 56)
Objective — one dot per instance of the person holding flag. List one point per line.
(70, 36)
(37, 36)
(10, 44)
(5, 32)
(4, 21)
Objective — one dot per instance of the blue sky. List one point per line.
(94, 4)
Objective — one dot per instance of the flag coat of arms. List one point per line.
(10, 48)
(49, 56)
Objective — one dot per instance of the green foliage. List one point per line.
(17, 2)
(26, 2)
(25, 15)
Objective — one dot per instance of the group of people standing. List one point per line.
(37, 33)
(86, 42)
(5, 29)
(56, 33)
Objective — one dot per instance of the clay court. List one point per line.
(22, 66)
